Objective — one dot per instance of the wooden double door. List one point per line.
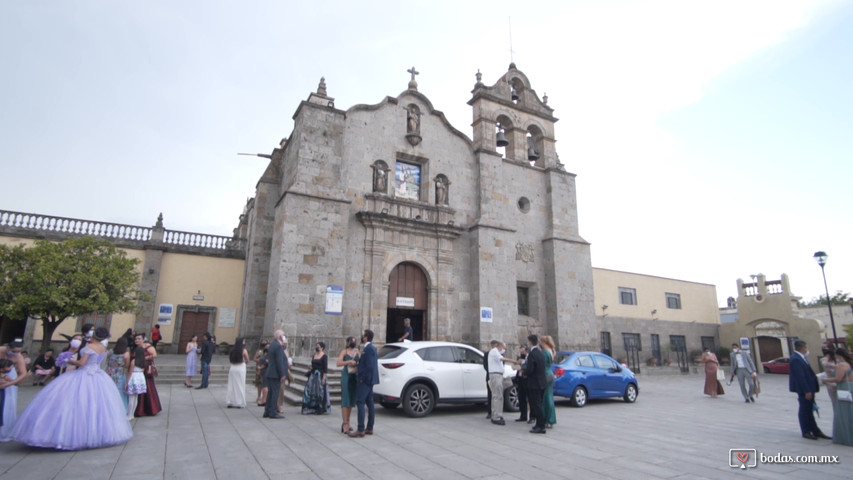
(192, 323)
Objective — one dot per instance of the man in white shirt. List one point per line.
(743, 366)
(496, 361)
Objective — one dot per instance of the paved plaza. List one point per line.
(673, 431)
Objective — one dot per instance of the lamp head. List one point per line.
(820, 258)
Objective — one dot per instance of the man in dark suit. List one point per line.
(803, 382)
(207, 349)
(276, 373)
(534, 371)
(367, 377)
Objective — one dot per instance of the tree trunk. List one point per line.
(47, 329)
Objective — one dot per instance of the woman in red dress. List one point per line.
(149, 402)
(712, 385)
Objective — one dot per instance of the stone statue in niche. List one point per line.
(524, 252)
(442, 185)
(413, 120)
(380, 177)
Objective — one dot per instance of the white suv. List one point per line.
(420, 374)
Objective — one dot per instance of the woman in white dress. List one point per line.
(239, 357)
(17, 374)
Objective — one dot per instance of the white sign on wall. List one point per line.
(334, 300)
(486, 314)
(227, 317)
(405, 302)
(164, 314)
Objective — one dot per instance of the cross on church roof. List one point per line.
(413, 85)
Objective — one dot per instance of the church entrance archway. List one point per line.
(408, 297)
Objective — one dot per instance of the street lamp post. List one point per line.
(820, 257)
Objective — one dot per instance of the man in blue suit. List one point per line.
(367, 377)
(803, 382)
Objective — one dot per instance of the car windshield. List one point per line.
(390, 351)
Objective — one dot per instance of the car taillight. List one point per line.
(392, 366)
(558, 372)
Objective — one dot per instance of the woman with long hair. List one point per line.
(548, 409)
(235, 396)
(17, 374)
(829, 363)
(712, 385)
(348, 359)
(842, 422)
(192, 351)
(79, 410)
(149, 402)
(135, 384)
(315, 398)
(117, 362)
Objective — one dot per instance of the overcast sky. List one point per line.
(712, 140)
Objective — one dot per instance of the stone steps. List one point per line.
(170, 373)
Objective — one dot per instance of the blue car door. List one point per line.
(588, 373)
(610, 383)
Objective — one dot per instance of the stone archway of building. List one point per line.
(770, 340)
(408, 297)
(769, 348)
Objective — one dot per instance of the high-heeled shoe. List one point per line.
(188, 385)
(343, 428)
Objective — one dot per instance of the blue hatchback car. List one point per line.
(588, 375)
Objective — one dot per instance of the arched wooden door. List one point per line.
(408, 297)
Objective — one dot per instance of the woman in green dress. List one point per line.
(842, 423)
(348, 359)
(548, 410)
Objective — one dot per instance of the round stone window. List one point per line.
(524, 204)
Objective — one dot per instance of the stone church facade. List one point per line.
(381, 212)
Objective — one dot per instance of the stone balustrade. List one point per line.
(58, 228)
(72, 226)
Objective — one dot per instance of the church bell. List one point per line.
(514, 94)
(532, 155)
(501, 139)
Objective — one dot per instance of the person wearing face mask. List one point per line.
(315, 397)
(348, 358)
(803, 381)
(17, 374)
(743, 366)
(495, 360)
(70, 353)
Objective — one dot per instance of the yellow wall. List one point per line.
(698, 300)
(182, 276)
(220, 281)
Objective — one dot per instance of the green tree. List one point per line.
(840, 298)
(53, 281)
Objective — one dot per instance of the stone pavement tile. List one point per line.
(34, 463)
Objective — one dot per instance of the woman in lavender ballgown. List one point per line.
(79, 410)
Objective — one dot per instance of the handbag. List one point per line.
(151, 370)
(845, 396)
(352, 369)
(721, 375)
(550, 378)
